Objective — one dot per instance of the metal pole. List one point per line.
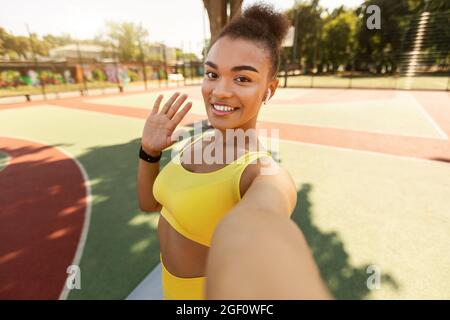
(351, 72)
(204, 34)
(54, 73)
(160, 59)
(317, 39)
(166, 76)
(36, 63)
(116, 67)
(80, 60)
(294, 49)
(143, 63)
(285, 68)
(190, 64)
(184, 63)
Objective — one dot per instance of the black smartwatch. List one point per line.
(148, 158)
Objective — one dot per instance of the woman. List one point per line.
(240, 74)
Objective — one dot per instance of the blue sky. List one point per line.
(174, 22)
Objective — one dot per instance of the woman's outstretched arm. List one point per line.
(258, 252)
(156, 137)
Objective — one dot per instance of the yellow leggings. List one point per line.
(176, 288)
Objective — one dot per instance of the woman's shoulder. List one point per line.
(263, 166)
(272, 184)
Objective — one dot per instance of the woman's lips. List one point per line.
(222, 113)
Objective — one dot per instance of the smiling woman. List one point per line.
(250, 187)
(241, 67)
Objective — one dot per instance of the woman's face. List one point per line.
(236, 77)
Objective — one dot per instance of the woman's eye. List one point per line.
(242, 79)
(210, 75)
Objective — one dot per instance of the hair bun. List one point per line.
(274, 22)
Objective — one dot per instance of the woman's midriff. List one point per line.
(181, 256)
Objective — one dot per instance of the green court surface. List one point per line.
(3, 160)
(401, 116)
(357, 208)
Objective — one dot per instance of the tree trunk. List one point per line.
(217, 14)
(217, 11)
(235, 6)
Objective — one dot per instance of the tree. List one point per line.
(337, 41)
(57, 41)
(382, 48)
(17, 46)
(218, 15)
(125, 37)
(309, 25)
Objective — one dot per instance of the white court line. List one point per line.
(87, 220)
(261, 121)
(284, 140)
(371, 153)
(322, 146)
(419, 107)
(385, 132)
(358, 130)
(87, 215)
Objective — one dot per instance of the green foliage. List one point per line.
(98, 75)
(126, 37)
(13, 46)
(338, 38)
(308, 16)
(328, 40)
(133, 75)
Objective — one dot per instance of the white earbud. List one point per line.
(266, 100)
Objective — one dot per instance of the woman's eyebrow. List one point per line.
(237, 68)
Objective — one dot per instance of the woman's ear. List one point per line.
(268, 95)
(273, 85)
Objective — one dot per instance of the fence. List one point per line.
(419, 60)
(84, 74)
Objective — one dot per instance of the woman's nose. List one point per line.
(222, 90)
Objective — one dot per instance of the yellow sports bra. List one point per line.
(194, 203)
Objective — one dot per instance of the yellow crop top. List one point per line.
(194, 203)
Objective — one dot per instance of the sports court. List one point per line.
(372, 169)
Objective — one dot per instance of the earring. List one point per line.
(266, 100)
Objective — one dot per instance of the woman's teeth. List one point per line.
(222, 108)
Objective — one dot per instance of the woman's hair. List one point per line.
(260, 23)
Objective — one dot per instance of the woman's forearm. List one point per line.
(261, 255)
(147, 173)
